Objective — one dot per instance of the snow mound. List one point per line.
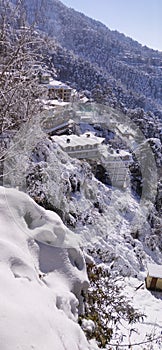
(42, 278)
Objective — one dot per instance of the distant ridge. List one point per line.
(120, 69)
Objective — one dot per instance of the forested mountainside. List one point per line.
(104, 234)
(113, 67)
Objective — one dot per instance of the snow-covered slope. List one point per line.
(112, 226)
(103, 217)
(43, 275)
(41, 280)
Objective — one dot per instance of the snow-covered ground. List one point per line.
(116, 227)
(146, 334)
(43, 270)
(41, 279)
(43, 274)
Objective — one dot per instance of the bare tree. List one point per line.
(22, 50)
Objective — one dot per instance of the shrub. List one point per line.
(105, 305)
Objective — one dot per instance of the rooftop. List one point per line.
(58, 84)
(109, 154)
(87, 139)
(54, 102)
(155, 270)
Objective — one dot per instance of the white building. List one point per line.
(83, 146)
(117, 165)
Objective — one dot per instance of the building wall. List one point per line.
(159, 284)
(63, 94)
(93, 153)
(66, 95)
(118, 172)
(153, 283)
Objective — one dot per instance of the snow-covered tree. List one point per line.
(21, 53)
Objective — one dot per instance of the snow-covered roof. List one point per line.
(155, 270)
(58, 84)
(68, 123)
(125, 130)
(120, 153)
(87, 139)
(55, 102)
(84, 99)
(112, 154)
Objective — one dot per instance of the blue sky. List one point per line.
(139, 19)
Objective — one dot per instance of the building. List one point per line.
(154, 277)
(125, 131)
(58, 90)
(85, 146)
(44, 77)
(117, 164)
(66, 127)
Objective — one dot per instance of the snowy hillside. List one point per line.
(41, 280)
(43, 271)
(80, 206)
(118, 229)
(110, 65)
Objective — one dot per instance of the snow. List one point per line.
(41, 279)
(85, 140)
(58, 84)
(150, 304)
(53, 102)
(155, 270)
(41, 256)
(88, 325)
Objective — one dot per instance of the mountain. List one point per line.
(114, 230)
(113, 67)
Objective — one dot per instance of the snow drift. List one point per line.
(42, 278)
